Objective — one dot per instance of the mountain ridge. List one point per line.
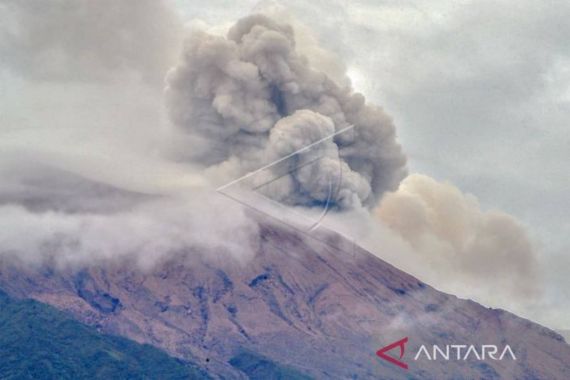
(301, 301)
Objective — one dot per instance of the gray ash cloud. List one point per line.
(250, 98)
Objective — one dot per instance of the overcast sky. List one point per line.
(479, 92)
(480, 95)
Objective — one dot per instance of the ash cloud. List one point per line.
(83, 179)
(459, 246)
(250, 98)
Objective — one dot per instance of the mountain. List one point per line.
(40, 342)
(303, 307)
(565, 334)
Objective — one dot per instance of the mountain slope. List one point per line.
(565, 334)
(40, 342)
(319, 306)
(258, 367)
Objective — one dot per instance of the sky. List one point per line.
(478, 93)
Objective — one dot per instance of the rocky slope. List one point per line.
(318, 305)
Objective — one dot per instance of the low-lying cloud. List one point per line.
(186, 227)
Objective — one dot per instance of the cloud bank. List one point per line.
(88, 40)
(83, 180)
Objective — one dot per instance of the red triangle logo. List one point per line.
(402, 344)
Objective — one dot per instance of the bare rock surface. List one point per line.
(321, 306)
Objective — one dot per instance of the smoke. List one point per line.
(458, 246)
(250, 98)
(83, 136)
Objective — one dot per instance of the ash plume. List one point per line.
(250, 98)
(459, 245)
(82, 122)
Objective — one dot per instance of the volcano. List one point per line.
(310, 306)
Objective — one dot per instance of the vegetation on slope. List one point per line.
(258, 367)
(38, 341)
